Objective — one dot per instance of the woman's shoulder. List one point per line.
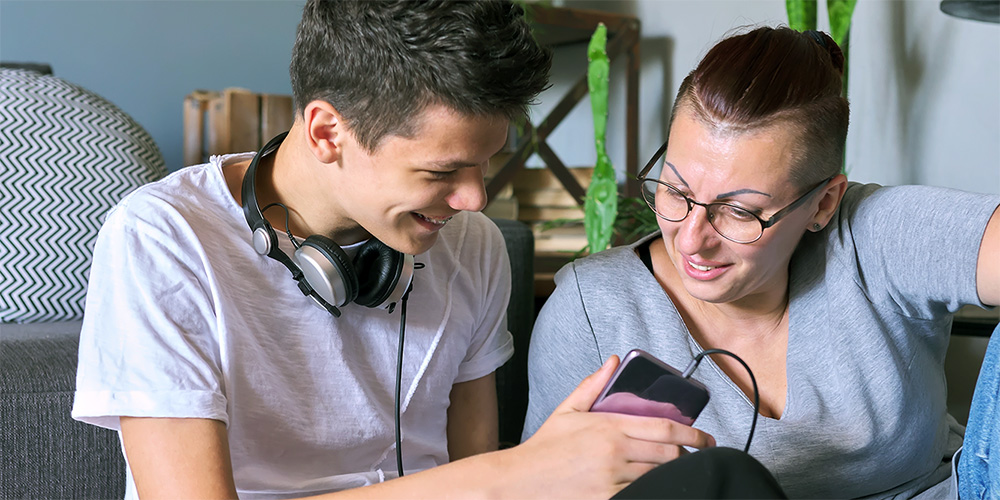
(616, 272)
(884, 215)
(615, 260)
(867, 200)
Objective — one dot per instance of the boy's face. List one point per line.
(409, 188)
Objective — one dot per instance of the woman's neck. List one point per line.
(753, 318)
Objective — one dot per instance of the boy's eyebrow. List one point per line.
(459, 163)
(451, 164)
(722, 195)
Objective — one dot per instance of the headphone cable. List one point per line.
(399, 381)
(288, 231)
(756, 396)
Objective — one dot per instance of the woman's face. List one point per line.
(748, 169)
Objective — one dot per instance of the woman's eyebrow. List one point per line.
(678, 174)
(740, 191)
(721, 196)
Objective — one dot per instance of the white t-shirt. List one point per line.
(184, 319)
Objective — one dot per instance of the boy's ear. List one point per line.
(324, 130)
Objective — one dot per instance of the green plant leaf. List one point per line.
(840, 12)
(600, 209)
(601, 204)
(598, 71)
(801, 14)
(634, 220)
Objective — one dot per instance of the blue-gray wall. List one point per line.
(924, 102)
(145, 56)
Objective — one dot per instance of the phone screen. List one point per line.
(646, 386)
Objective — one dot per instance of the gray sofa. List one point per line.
(66, 157)
(46, 454)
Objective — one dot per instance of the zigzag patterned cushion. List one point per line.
(66, 157)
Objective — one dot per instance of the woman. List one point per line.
(838, 296)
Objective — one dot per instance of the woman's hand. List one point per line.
(988, 267)
(577, 454)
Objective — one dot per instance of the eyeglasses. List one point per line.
(733, 222)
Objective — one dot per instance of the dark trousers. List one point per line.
(711, 473)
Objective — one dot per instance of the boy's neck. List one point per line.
(292, 177)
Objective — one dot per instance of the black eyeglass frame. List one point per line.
(764, 224)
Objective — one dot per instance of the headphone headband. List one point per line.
(251, 210)
(265, 240)
(378, 275)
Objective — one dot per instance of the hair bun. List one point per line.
(826, 42)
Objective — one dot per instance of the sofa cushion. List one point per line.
(512, 377)
(66, 157)
(47, 454)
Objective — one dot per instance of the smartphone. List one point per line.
(643, 385)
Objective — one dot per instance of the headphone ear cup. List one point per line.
(327, 269)
(379, 268)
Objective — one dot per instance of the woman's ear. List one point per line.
(829, 200)
(324, 129)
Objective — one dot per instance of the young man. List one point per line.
(224, 379)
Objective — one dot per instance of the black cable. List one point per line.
(756, 395)
(399, 373)
(288, 231)
(399, 382)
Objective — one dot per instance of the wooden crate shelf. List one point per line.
(555, 26)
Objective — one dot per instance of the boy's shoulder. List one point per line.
(197, 190)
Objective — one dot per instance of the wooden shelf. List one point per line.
(556, 26)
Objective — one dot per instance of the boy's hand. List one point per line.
(577, 454)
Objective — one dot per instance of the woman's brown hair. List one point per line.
(769, 76)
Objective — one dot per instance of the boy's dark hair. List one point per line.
(380, 63)
(769, 76)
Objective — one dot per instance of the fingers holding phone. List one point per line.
(599, 452)
(659, 432)
(580, 454)
(643, 385)
(582, 398)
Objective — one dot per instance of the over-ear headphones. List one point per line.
(378, 276)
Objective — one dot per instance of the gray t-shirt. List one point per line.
(871, 304)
